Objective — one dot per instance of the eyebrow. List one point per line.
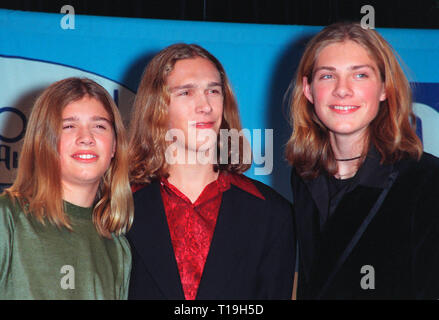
(192, 86)
(351, 68)
(94, 118)
(363, 66)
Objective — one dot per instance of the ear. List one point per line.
(307, 89)
(383, 95)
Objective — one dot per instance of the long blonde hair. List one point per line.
(38, 184)
(391, 132)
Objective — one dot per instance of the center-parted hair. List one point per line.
(149, 119)
(392, 131)
(38, 185)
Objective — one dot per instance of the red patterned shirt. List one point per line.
(191, 225)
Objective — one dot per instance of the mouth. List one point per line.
(85, 157)
(344, 108)
(204, 125)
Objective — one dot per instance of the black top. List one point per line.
(371, 173)
(397, 255)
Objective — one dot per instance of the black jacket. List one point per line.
(252, 254)
(397, 256)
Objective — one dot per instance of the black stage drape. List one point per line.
(389, 13)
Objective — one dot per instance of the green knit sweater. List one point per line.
(45, 262)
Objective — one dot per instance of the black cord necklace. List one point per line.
(350, 159)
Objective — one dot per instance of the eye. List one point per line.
(214, 91)
(68, 126)
(361, 75)
(101, 126)
(325, 76)
(183, 93)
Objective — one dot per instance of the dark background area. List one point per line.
(388, 13)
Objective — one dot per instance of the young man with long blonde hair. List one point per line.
(202, 230)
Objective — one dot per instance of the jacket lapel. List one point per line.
(151, 238)
(319, 191)
(225, 246)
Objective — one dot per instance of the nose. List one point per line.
(343, 88)
(203, 103)
(85, 137)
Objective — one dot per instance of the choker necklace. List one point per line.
(350, 159)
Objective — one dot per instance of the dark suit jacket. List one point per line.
(401, 243)
(252, 254)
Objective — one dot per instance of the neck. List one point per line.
(82, 196)
(191, 179)
(347, 147)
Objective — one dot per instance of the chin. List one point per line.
(343, 129)
(90, 179)
(205, 148)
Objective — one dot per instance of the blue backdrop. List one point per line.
(260, 61)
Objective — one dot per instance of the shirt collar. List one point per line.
(244, 183)
(222, 183)
(372, 173)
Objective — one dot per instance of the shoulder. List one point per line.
(428, 172)
(6, 238)
(418, 183)
(296, 179)
(423, 170)
(142, 191)
(426, 162)
(272, 212)
(270, 197)
(8, 213)
(269, 193)
(5, 201)
(423, 184)
(146, 199)
(8, 208)
(429, 162)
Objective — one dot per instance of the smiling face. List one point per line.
(87, 143)
(196, 101)
(346, 89)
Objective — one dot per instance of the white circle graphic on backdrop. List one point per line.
(430, 127)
